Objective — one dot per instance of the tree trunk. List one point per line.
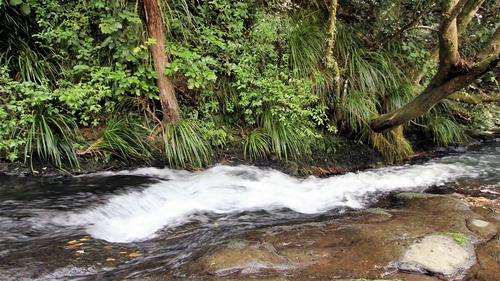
(331, 62)
(463, 19)
(168, 98)
(452, 75)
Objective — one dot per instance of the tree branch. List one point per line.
(434, 93)
(468, 11)
(453, 9)
(448, 40)
(422, 27)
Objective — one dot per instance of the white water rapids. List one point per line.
(178, 196)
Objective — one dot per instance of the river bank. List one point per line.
(349, 156)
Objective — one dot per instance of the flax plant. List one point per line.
(447, 132)
(256, 145)
(185, 144)
(286, 139)
(306, 43)
(359, 107)
(51, 136)
(442, 126)
(125, 138)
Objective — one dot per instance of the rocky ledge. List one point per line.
(421, 237)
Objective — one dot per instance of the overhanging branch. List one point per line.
(434, 93)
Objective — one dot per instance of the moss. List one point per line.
(460, 238)
(412, 195)
(378, 211)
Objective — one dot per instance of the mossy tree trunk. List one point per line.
(452, 75)
(168, 98)
(463, 19)
(331, 62)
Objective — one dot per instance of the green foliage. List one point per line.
(255, 82)
(217, 137)
(485, 117)
(443, 127)
(18, 49)
(50, 135)
(393, 146)
(103, 55)
(307, 43)
(447, 132)
(32, 121)
(185, 144)
(124, 137)
(24, 6)
(256, 145)
(328, 144)
(418, 57)
(248, 66)
(196, 69)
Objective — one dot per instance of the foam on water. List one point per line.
(173, 200)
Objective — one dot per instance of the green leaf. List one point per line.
(151, 41)
(15, 2)
(105, 28)
(25, 9)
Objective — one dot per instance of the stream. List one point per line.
(133, 224)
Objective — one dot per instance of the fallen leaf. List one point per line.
(71, 242)
(133, 255)
(75, 245)
(107, 247)
(80, 251)
(123, 253)
(110, 259)
(216, 224)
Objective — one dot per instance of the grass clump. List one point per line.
(50, 136)
(256, 145)
(185, 144)
(123, 137)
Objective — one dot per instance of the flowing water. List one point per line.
(86, 227)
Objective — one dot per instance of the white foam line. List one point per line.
(138, 215)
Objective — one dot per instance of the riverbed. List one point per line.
(170, 224)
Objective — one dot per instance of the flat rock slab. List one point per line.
(424, 238)
(437, 254)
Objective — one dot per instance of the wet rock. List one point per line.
(377, 243)
(487, 267)
(437, 254)
(482, 227)
(245, 258)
